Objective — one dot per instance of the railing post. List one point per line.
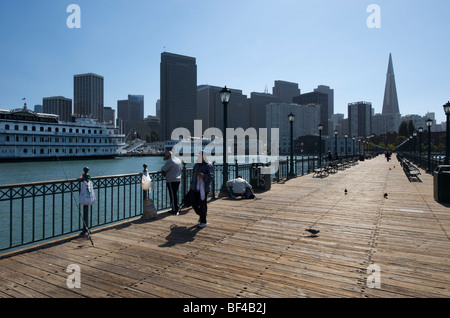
(213, 185)
(183, 177)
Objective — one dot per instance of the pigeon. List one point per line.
(345, 191)
(385, 195)
(312, 231)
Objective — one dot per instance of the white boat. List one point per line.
(27, 135)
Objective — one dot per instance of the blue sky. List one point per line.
(244, 44)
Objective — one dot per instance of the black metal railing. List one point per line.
(43, 211)
(422, 161)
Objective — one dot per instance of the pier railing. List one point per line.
(43, 211)
(422, 160)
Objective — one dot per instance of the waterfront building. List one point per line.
(88, 96)
(58, 105)
(178, 85)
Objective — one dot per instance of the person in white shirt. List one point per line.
(238, 186)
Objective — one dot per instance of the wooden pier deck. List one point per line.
(259, 248)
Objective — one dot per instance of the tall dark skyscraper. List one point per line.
(178, 93)
(88, 96)
(390, 102)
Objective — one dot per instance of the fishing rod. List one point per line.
(87, 232)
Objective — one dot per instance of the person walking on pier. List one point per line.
(172, 171)
(203, 175)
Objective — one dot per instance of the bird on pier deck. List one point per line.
(312, 231)
(385, 195)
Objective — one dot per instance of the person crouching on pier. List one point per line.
(203, 175)
(239, 186)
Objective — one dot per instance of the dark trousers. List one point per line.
(200, 207)
(172, 187)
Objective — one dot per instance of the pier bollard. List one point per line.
(149, 210)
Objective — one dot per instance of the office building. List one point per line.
(131, 108)
(178, 98)
(39, 108)
(109, 116)
(257, 107)
(307, 119)
(330, 93)
(359, 119)
(210, 108)
(321, 99)
(88, 96)
(390, 102)
(58, 105)
(286, 91)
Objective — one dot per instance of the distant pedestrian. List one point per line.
(330, 157)
(172, 172)
(203, 175)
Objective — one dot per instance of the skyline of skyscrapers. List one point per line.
(182, 101)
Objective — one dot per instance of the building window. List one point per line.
(7, 127)
(16, 127)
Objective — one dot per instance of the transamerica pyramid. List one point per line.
(390, 103)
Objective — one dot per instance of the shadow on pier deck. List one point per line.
(259, 248)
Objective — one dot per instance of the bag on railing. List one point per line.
(146, 182)
(87, 194)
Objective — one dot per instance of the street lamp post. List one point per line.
(414, 141)
(420, 130)
(320, 127)
(429, 123)
(335, 142)
(346, 146)
(447, 144)
(225, 95)
(353, 145)
(291, 118)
